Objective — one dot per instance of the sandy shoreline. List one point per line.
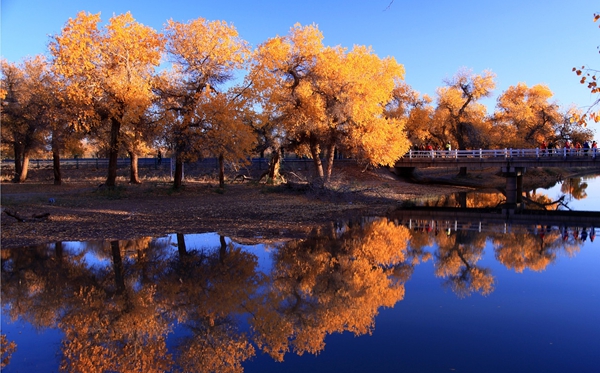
(82, 211)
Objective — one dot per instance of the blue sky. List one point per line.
(520, 41)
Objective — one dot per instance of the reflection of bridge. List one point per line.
(490, 218)
(512, 162)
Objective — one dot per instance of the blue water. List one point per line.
(534, 321)
(531, 322)
(590, 203)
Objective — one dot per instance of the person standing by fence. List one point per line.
(543, 146)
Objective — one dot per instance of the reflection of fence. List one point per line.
(448, 226)
(576, 224)
(500, 216)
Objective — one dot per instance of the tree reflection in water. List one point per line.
(334, 281)
(160, 305)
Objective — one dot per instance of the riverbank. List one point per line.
(246, 211)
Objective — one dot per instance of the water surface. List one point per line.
(378, 294)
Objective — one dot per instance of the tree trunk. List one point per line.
(462, 199)
(118, 267)
(314, 151)
(459, 135)
(181, 249)
(18, 150)
(56, 166)
(24, 167)
(274, 165)
(59, 252)
(56, 158)
(222, 249)
(113, 153)
(133, 174)
(221, 171)
(178, 176)
(329, 157)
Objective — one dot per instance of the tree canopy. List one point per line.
(199, 90)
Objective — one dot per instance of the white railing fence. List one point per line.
(503, 153)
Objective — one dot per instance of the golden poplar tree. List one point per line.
(354, 87)
(462, 116)
(526, 116)
(108, 72)
(28, 109)
(416, 111)
(281, 73)
(205, 56)
(329, 98)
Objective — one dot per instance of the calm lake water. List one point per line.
(380, 294)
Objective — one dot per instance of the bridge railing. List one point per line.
(435, 226)
(503, 153)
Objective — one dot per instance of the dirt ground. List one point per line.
(81, 209)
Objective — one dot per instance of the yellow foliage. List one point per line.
(107, 74)
(332, 282)
(527, 114)
(456, 261)
(198, 119)
(520, 249)
(329, 97)
(6, 350)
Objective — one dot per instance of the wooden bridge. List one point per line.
(512, 162)
(505, 158)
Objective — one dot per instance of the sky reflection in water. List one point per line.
(465, 301)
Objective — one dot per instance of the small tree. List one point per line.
(228, 134)
(27, 109)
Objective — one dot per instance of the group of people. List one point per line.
(424, 147)
(445, 152)
(429, 147)
(582, 237)
(569, 147)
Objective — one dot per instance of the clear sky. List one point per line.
(529, 41)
